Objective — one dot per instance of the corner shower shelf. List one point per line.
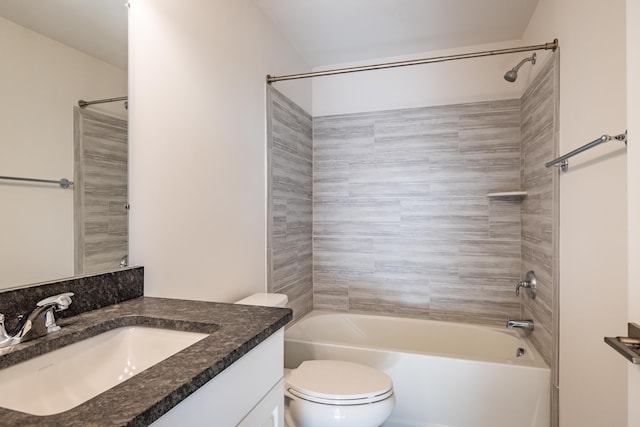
(508, 195)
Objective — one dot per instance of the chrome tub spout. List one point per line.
(526, 324)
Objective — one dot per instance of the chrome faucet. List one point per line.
(38, 323)
(5, 338)
(526, 324)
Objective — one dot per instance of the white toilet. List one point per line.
(325, 393)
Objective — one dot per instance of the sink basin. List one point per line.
(63, 379)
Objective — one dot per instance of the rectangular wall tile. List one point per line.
(539, 118)
(330, 291)
(389, 296)
(290, 202)
(401, 220)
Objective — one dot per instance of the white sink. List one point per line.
(63, 379)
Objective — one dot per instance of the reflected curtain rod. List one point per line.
(82, 103)
(546, 46)
(63, 182)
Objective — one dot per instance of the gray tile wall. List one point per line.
(401, 221)
(539, 129)
(400, 218)
(101, 218)
(289, 157)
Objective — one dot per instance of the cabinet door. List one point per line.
(228, 398)
(269, 412)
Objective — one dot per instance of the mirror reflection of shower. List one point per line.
(512, 74)
(100, 199)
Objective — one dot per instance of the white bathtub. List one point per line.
(444, 374)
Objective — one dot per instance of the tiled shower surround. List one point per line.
(289, 146)
(539, 209)
(402, 223)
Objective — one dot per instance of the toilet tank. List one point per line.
(269, 300)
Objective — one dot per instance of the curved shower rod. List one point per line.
(546, 46)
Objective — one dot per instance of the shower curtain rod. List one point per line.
(82, 103)
(63, 182)
(546, 46)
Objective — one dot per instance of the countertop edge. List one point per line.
(233, 330)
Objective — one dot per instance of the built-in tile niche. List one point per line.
(402, 224)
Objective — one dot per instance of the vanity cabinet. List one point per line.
(248, 393)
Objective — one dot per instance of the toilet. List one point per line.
(325, 393)
(269, 300)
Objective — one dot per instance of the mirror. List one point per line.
(55, 53)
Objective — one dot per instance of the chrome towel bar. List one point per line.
(564, 163)
(63, 182)
(628, 347)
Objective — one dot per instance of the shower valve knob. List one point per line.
(529, 283)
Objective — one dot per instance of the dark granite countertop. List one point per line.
(234, 330)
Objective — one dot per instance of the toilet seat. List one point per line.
(336, 382)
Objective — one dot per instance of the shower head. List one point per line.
(512, 74)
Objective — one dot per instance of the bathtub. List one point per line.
(444, 374)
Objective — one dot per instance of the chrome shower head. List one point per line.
(512, 74)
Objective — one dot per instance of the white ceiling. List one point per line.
(95, 27)
(328, 32)
(323, 32)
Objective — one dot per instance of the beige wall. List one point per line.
(197, 144)
(633, 178)
(593, 206)
(41, 81)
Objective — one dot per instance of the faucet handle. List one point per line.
(61, 301)
(5, 338)
(529, 283)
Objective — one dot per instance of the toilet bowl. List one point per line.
(321, 393)
(326, 393)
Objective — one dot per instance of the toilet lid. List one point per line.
(339, 383)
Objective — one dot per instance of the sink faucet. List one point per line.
(522, 324)
(5, 339)
(38, 323)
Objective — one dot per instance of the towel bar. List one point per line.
(629, 347)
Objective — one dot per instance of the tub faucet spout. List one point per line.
(526, 324)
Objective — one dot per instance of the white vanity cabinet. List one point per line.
(249, 393)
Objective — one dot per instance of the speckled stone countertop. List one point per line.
(234, 330)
